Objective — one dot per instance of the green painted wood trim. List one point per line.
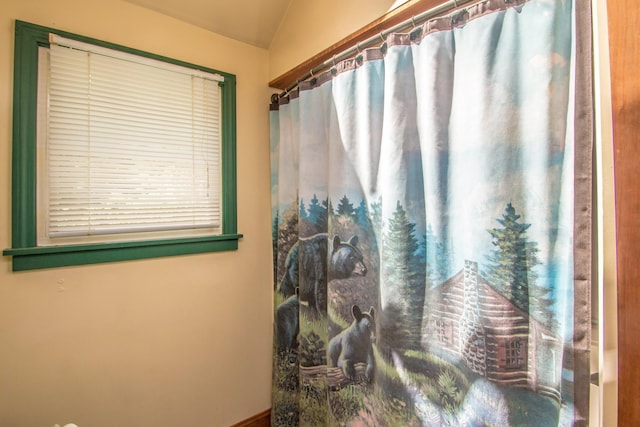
(25, 252)
(42, 34)
(60, 256)
(229, 198)
(25, 77)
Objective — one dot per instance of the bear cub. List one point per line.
(355, 345)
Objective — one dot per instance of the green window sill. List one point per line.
(61, 256)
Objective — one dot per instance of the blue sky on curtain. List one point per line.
(424, 208)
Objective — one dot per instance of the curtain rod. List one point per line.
(414, 20)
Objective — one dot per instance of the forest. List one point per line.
(410, 382)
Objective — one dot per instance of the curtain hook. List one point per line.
(382, 37)
(413, 21)
(311, 73)
(334, 60)
(358, 48)
(455, 3)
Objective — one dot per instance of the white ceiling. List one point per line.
(251, 21)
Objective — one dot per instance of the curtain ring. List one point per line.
(358, 48)
(334, 60)
(455, 3)
(413, 21)
(382, 37)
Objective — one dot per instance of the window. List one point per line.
(514, 354)
(117, 154)
(443, 330)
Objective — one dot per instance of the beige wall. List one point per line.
(310, 26)
(179, 341)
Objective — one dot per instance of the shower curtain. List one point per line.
(431, 226)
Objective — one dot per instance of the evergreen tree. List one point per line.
(437, 260)
(513, 259)
(363, 220)
(540, 306)
(362, 216)
(405, 271)
(376, 215)
(422, 253)
(328, 206)
(303, 210)
(317, 214)
(345, 207)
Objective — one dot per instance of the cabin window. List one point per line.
(442, 329)
(514, 354)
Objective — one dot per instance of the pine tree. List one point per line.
(328, 206)
(362, 216)
(422, 254)
(513, 259)
(317, 214)
(376, 215)
(405, 271)
(363, 220)
(345, 207)
(303, 210)
(540, 306)
(437, 260)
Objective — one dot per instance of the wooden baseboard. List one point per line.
(263, 419)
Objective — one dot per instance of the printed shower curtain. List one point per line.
(431, 203)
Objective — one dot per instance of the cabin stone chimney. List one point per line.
(472, 334)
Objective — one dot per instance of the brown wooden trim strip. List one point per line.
(394, 17)
(263, 419)
(624, 45)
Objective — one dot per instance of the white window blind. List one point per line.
(132, 144)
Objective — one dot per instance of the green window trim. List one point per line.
(27, 255)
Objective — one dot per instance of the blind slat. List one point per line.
(131, 146)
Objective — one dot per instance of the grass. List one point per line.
(389, 400)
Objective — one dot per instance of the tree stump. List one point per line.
(313, 376)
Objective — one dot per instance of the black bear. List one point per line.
(315, 260)
(354, 345)
(287, 325)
